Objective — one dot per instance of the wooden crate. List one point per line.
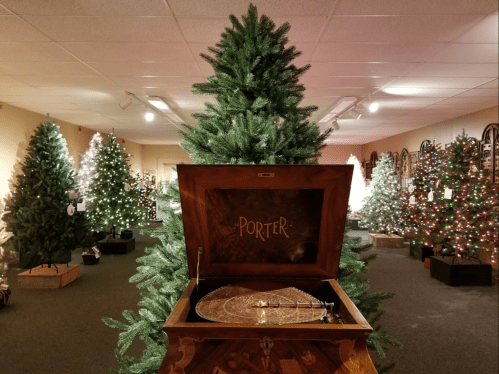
(384, 240)
(45, 277)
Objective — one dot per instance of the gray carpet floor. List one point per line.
(444, 329)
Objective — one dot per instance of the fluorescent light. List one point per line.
(158, 103)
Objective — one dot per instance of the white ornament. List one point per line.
(448, 193)
(409, 181)
(411, 188)
(127, 187)
(80, 207)
(430, 196)
(438, 182)
(71, 209)
(412, 200)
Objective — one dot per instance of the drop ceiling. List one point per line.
(424, 61)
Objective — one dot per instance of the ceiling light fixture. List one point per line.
(127, 101)
(371, 105)
(149, 116)
(155, 105)
(354, 114)
(341, 106)
(334, 124)
(158, 103)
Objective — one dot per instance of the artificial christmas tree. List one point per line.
(382, 208)
(114, 203)
(470, 202)
(423, 212)
(257, 121)
(147, 199)
(87, 167)
(43, 218)
(358, 192)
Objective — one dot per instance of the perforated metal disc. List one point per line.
(238, 304)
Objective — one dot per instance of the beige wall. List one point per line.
(16, 128)
(339, 154)
(443, 133)
(158, 159)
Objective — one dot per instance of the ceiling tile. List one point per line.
(363, 69)
(492, 84)
(88, 8)
(466, 53)
(422, 7)
(453, 70)
(422, 91)
(484, 31)
(203, 30)
(66, 81)
(14, 29)
(43, 68)
(374, 52)
(273, 9)
(437, 82)
(480, 92)
(305, 29)
(135, 68)
(108, 29)
(427, 28)
(40, 51)
(337, 92)
(124, 51)
(166, 82)
(337, 82)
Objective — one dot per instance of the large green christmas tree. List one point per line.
(382, 209)
(257, 121)
(43, 218)
(114, 203)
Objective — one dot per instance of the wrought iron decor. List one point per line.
(424, 144)
(489, 147)
(405, 167)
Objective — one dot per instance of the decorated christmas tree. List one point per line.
(358, 191)
(114, 203)
(257, 121)
(382, 208)
(43, 217)
(87, 167)
(470, 199)
(147, 198)
(423, 212)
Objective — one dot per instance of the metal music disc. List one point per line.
(238, 304)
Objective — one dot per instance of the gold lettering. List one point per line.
(274, 228)
(259, 227)
(282, 225)
(248, 227)
(241, 225)
(268, 227)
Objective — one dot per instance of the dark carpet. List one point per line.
(444, 329)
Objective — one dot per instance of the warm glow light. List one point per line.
(149, 116)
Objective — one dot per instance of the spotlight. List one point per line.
(372, 106)
(334, 124)
(149, 116)
(354, 114)
(127, 102)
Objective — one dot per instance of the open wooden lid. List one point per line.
(264, 220)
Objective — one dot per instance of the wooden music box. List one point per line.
(264, 245)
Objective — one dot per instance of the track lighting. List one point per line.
(334, 124)
(127, 101)
(354, 114)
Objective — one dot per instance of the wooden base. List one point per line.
(45, 277)
(116, 246)
(386, 240)
(460, 273)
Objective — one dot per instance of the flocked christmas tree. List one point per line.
(257, 121)
(382, 208)
(358, 191)
(40, 210)
(470, 199)
(114, 202)
(423, 213)
(87, 167)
